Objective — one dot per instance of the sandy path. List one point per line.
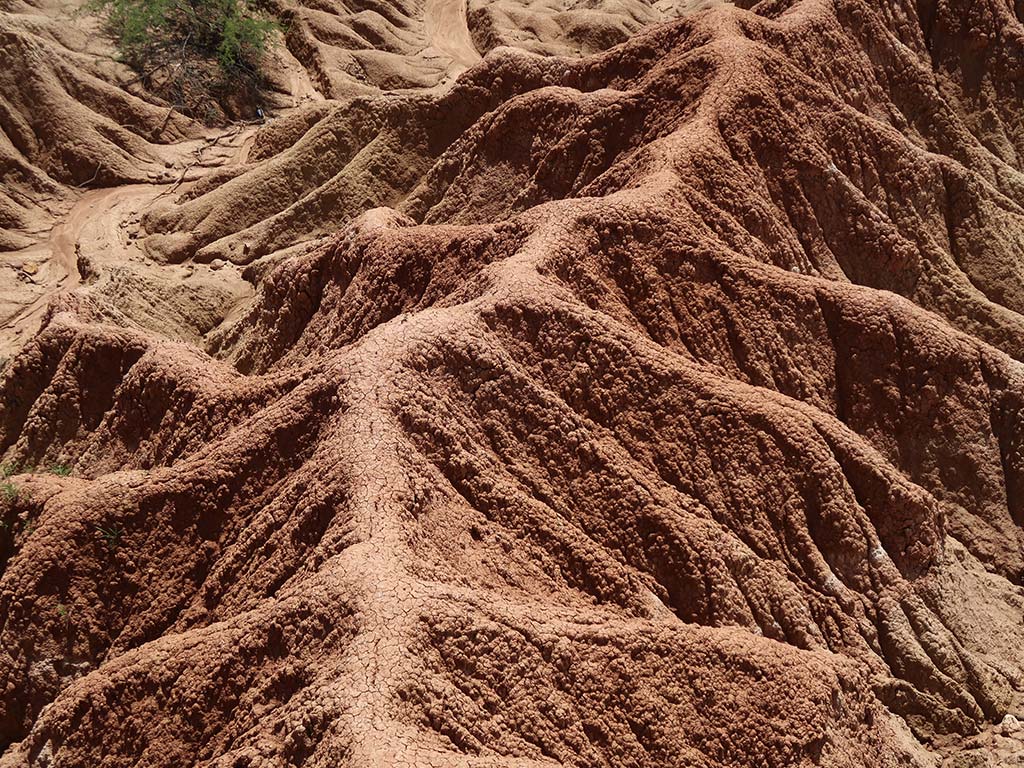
(99, 223)
(448, 32)
(98, 226)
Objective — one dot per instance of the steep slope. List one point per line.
(358, 48)
(568, 28)
(670, 415)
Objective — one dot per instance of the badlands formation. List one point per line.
(543, 383)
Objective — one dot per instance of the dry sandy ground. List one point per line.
(544, 384)
(101, 222)
(93, 243)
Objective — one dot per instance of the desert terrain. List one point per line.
(525, 383)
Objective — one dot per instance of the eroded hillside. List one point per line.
(648, 400)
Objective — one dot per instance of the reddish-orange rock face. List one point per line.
(656, 407)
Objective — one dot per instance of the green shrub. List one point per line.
(244, 38)
(173, 44)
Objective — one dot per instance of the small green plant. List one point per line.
(111, 535)
(61, 470)
(64, 615)
(9, 491)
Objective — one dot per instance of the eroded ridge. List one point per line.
(670, 414)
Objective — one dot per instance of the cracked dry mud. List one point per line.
(605, 385)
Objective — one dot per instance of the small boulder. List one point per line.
(1009, 724)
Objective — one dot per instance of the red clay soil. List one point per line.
(671, 416)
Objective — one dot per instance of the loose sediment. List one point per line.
(656, 407)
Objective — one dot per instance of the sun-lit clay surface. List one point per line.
(642, 396)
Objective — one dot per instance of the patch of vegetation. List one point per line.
(9, 491)
(195, 53)
(10, 469)
(61, 470)
(111, 535)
